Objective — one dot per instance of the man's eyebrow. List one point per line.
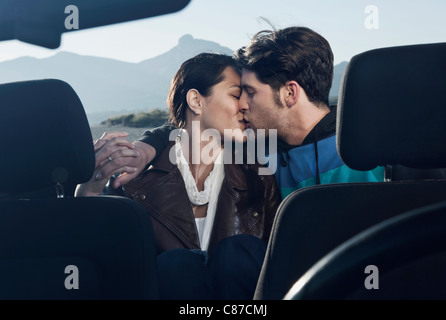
(247, 86)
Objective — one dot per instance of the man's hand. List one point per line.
(112, 153)
(146, 154)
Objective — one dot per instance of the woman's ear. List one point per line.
(193, 99)
(292, 92)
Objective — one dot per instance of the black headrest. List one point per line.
(45, 136)
(392, 108)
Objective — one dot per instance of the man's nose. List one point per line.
(243, 103)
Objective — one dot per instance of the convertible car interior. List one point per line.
(352, 238)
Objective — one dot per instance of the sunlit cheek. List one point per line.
(236, 109)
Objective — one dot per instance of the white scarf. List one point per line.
(210, 192)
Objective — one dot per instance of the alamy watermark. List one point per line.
(72, 20)
(72, 280)
(258, 147)
(371, 22)
(372, 280)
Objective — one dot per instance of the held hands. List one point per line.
(114, 154)
(146, 155)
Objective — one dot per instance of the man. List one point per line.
(286, 80)
(287, 76)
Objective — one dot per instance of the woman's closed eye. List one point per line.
(235, 92)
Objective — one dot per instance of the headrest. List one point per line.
(45, 139)
(392, 108)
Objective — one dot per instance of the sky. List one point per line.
(350, 26)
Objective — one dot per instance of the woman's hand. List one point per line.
(113, 153)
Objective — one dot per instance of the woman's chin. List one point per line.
(242, 138)
(237, 138)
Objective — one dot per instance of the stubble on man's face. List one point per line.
(268, 114)
(265, 106)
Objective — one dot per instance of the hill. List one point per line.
(110, 87)
(151, 119)
(338, 72)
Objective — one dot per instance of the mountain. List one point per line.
(338, 72)
(102, 84)
(110, 87)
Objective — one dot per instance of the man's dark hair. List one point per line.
(294, 53)
(201, 72)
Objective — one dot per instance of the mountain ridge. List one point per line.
(109, 87)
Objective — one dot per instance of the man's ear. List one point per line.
(193, 99)
(292, 92)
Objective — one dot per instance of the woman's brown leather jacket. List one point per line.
(245, 205)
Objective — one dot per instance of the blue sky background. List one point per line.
(232, 22)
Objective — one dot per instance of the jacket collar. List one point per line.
(323, 129)
(235, 177)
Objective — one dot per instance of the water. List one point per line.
(134, 133)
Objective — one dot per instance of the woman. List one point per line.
(211, 219)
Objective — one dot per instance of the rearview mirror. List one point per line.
(42, 22)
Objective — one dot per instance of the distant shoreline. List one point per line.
(134, 133)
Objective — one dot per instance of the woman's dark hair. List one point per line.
(201, 72)
(294, 53)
